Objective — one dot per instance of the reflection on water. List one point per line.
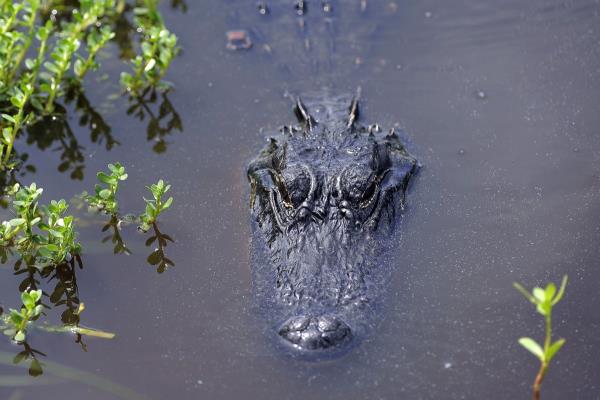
(158, 257)
(30, 355)
(61, 290)
(54, 132)
(59, 373)
(115, 237)
(162, 117)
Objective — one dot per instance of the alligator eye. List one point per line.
(297, 183)
(358, 185)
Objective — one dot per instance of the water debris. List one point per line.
(238, 40)
(428, 14)
(263, 8)
(300, 7)
(481, 95)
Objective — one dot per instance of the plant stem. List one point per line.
(537, 384)
(8, 25)
(27, 43)
(33, 79)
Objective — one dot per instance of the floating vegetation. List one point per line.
(544, 300)
(155, 206)
(42, 242)
(64, 39)
(40, 236)
(104, 199)
(18, 321)
(158, 50)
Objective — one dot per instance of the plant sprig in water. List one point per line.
(19, 320)
(105, 197)
(544, 300)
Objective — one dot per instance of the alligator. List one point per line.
(325, 198)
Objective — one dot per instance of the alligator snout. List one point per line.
(315, 333)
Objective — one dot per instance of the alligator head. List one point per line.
(324, 197)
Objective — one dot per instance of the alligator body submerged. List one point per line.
(325, 196)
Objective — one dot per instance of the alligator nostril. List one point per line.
(298, 323)
(315, 333)
(326, 324)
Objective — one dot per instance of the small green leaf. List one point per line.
(78, 67)
(561, 291)
(533, 347)
(28, 300)
(38, 310)
(104, 193)
(52, 247)
(8, 118)
(555, 347)
(150, 209)
(7, 134)
(36, 294)
(102, 177)
(167, 203)
(16, 222)
(524, 292)
(550, 291)
(150, 65)
(20, 336)
(56, 234)
(539, 294)
(544, 308)
(45, 252)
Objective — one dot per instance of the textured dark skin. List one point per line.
(325, 196)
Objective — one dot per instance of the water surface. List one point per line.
(500, 101)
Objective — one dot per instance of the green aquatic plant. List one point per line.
(41, 236)
(60, 244)
(25, 207)
(71, 34)
(544, 300)
(105, 200)
(19, 95)
(18, 321)
(156, 205)
(158, 49)
(105, 197)
(76, 31)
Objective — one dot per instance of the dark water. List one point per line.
(500, 100)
